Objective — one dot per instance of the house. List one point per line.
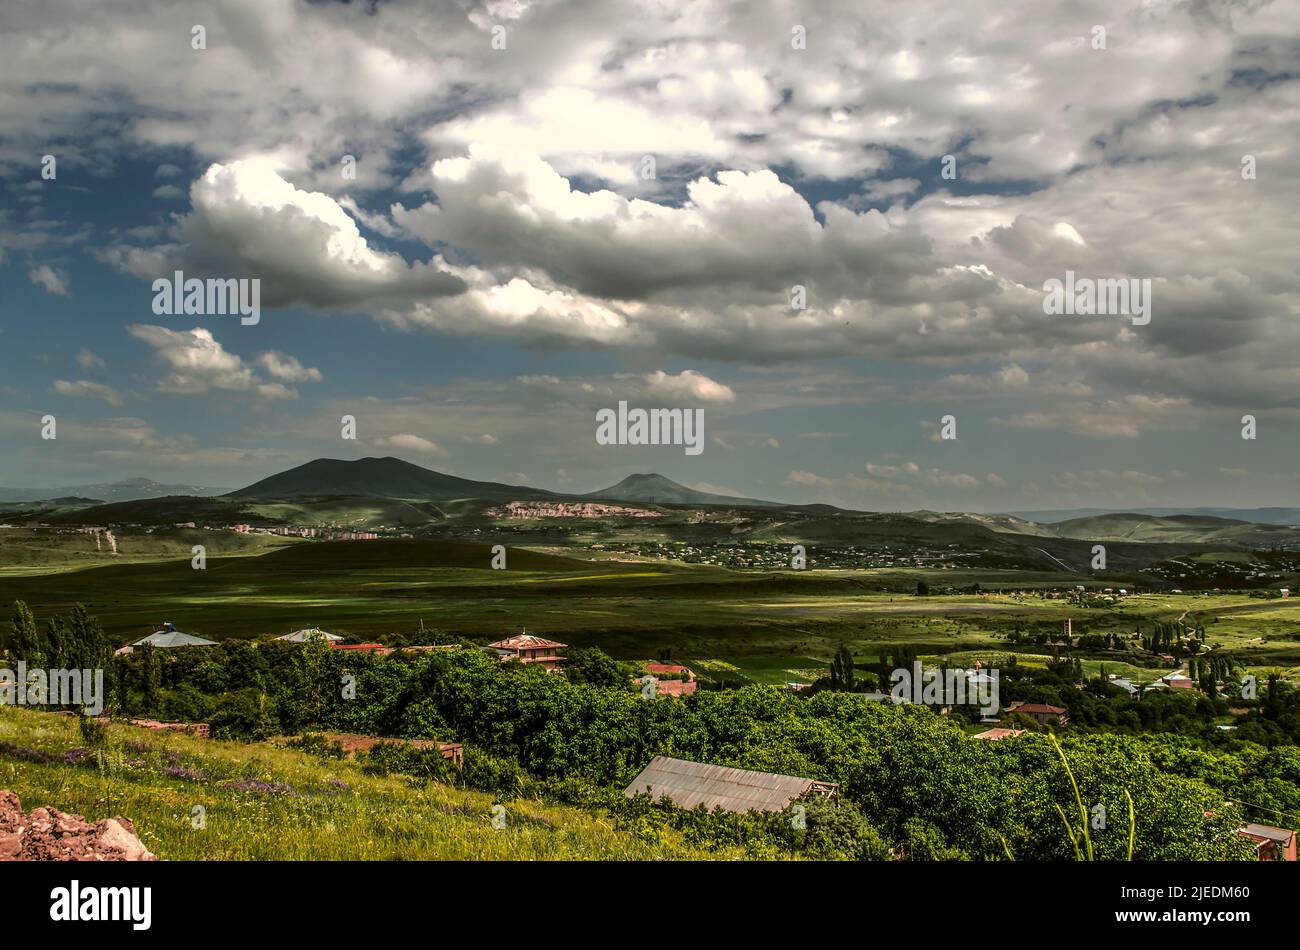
(376, 648)
(676, 687)
(1039, 711)
(310, 633)
(673, 679)
(1178, 680)
(166, 638)
(527, 648)
(995, 734)
(687, 784)
(1271, 843)
(1133, 690)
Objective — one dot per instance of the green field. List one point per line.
(25, 551)
(631, 609)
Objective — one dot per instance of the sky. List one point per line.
(475, 225)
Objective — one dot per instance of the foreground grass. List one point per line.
(295, 807)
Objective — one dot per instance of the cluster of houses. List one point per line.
(527, 648)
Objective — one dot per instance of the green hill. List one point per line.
(656, 489)
(379, 478)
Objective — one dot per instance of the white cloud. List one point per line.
(54, 281)
(87, 388)
(287, 369)
(409, 443)
(199, 364)
(86, 359)
(248, 221)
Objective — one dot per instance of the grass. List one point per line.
(631, 609)
(27, 551)
(315, 818)
(765, 670)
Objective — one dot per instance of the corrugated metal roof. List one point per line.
(174, 638)
(688, 784)
(1271, 832)
(311, 633)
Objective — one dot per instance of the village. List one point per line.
(689, 784)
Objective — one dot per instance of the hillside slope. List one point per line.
(263, 802)
(651, 488)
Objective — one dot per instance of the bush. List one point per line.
(313, 743)
(246, 714)
(93, 733)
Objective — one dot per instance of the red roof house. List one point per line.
(1040, 711)
(526, 648)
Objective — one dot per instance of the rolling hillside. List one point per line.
(656, 489)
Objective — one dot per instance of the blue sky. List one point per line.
(499, 269)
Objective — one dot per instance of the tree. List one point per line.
(922, 589)
(27, 642)
(842, 675)
(596, 667)
(151, 674)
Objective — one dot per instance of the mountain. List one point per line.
(129, 489)
(380, 478)
(656, 489)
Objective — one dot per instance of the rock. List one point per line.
(48, 834)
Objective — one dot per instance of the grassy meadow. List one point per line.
(293, 806)
(763, 623)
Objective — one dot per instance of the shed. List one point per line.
(687, 784)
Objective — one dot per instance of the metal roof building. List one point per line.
(687, 784)
(311, 633)
(169, 636)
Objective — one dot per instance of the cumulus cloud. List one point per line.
(54, 281)
(287, 369)
(199, 364)
(248, 221)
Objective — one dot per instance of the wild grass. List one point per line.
(196, 799)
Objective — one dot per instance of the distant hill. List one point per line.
(1008, 524)
(1189, 529)
(129, 489)
(1136, 527)
(1254, 515)
(379, 478)
(656, 489)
